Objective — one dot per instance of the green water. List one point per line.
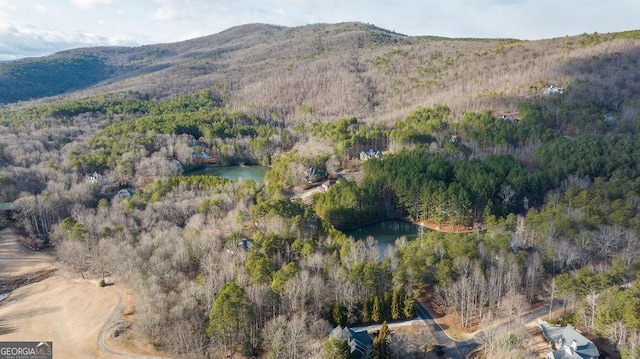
(385, 232)
(255, 173)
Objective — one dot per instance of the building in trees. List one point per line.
(5, 210)
(359, 342)
(553, 90)
(313, 175)
(123, 193)
(569, 343)
(326, 184)
(370, 153)
(94, 177)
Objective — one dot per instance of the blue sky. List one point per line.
(40, 27)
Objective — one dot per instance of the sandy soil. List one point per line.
(536, 344)
(67, 312)
(307, 195)
(61, 308)
(16, 260)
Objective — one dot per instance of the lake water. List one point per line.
(385, 232)
(255, 173)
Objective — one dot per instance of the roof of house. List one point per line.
(124, 193)
(564, 338)
(553, 90)
(359, 342)
(6, 206)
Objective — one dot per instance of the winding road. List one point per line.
(452, 349)
(117, 312)
(461, 349)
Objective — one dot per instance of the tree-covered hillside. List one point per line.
(328, 71)
(29, 79)
(532, 191)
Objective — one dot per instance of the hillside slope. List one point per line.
(327, 71)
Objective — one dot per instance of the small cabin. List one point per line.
(553, 90)
(326, 184)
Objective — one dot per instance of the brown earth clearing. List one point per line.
(46, 303)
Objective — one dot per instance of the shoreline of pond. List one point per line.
(432, 226)
(252, 172)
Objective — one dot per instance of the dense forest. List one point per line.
(548, 191)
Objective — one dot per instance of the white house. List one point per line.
(93, 177)
(553, 90)
(370, 153)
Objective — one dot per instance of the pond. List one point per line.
(385, 232)
(255, 173)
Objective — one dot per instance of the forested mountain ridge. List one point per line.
(80, 68)
(325, 71)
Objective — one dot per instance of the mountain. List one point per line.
(327, 71)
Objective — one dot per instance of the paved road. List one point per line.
(452, 349)
(461, 349)
(375, 327)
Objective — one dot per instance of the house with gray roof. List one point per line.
(5, 210)
(568, 343)
(123, 193)
(359, 342)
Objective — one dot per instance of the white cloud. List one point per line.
(191, 35)
(6, 8)
(41, 8)
(88, 4)
(23, 40)
(167, 11)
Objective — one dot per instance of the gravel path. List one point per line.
(113, 318)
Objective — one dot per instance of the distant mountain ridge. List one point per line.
(69, 70)
(326, 71)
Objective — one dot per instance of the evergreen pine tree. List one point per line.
(336, 348)
(381, 348)
(385, 308)
(375, 312)
(366, 315)
(409, 306)
(337, 314)
(396, 304)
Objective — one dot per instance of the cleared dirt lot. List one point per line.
(16, 260)
(67, 312)
(63, 309)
